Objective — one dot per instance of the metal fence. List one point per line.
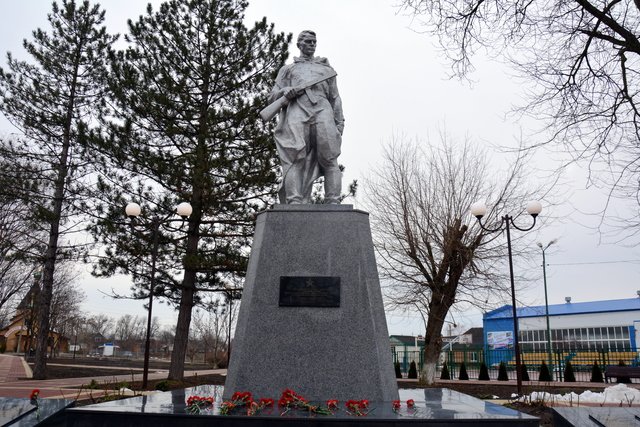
(581, 361)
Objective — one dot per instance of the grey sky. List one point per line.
(392, 80)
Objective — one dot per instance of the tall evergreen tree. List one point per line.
(186, 93)
(48, 99)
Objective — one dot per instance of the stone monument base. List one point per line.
(434, 407)
(312, 317)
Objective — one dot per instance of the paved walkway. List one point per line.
(13, 367)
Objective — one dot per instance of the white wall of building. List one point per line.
(620, 318)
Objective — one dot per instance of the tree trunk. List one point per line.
(433, 335)
(181, 340)
(44, 303)
(432, 348)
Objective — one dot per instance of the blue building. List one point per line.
(580, 330)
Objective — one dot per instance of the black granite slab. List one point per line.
(596, 416)
(22, 413)
(434, 407)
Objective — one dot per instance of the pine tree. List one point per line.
(596, 374)
(49, 99)
(463, 372)
(569, 376)
(524, 372)
(397, 369)
(444, 374)
(413, 371)
(502, 372)
(185, 98)
(484, 372)
(545, 375)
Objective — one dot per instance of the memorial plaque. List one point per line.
(309, 291)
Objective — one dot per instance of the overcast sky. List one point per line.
(392, 80)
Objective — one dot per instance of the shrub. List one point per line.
(463, 372)
(484, 372)
(166, 385)
(413, 372)
(596, 374)
(524, 372)
(444, 374)
(624, 380)
(398, 371)
(93, 384)
(569, 376)
(545, 375)
(502, 372)
(3, 346)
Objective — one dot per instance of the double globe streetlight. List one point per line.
(534, 208)
(133, 211)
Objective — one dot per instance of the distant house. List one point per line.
(20, 335)
(407, 349)
(466, 347)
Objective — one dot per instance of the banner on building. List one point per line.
(500, 340)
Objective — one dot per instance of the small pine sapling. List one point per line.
(596, 373)
(444, 374)
(569, 376)
(484, 372)
(398, 371)
(545, 375)
(413, 371)
(502, 372)
(463, 372)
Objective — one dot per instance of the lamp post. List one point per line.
(546, 302)
(133, 210)
(533, 208)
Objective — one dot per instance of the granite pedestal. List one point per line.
(296, 329)
(434, 407)
(17, 412)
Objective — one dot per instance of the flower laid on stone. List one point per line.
(358, 408)
(195, 404)
(395, 405)
(239, 399)
(291, 400)
(411, 403)
(33, 397)
(332, 404)
(255, 407)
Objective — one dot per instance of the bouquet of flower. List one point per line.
(33, 397)
(291, 400)
(359, 408)
(196, 404)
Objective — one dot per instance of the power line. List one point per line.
(597, 262)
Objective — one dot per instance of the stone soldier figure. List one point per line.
(309, 131)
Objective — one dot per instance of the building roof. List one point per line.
(615, 305)
(477, 335)
(407, 339)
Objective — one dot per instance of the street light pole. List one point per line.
(546, 303)
(133, 210)
(533, 208)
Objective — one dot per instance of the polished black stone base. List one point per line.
(22, 413)
(596, 416)
(434, 407)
